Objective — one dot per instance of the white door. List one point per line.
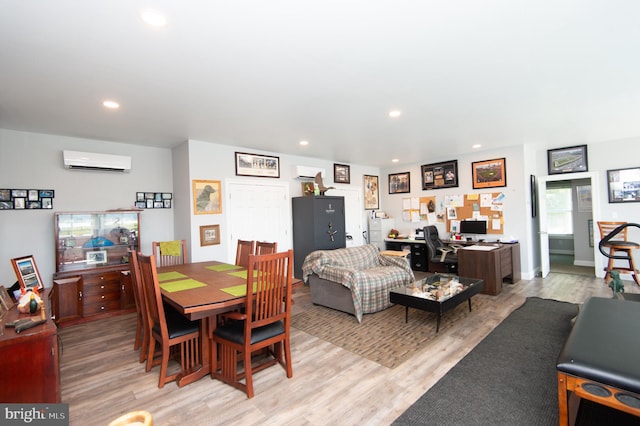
(258, 210)
(352, 213)
(544, 235)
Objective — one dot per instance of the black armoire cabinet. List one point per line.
(318, 224)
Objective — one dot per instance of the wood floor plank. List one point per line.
(101, 377)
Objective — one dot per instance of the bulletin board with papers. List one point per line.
(476, 206)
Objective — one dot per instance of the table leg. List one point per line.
(438, 324)
(469, 300)
(406, 314)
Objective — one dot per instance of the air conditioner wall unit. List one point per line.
(76, 160)
(308, 172)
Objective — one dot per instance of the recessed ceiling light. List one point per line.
(304, 143)
(153, 18)
(476, 146)
(395, 160)
(111, 104)
(395, 113)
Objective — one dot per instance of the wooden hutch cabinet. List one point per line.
(92, 277)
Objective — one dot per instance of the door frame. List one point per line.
(542, 210)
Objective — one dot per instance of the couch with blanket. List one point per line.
(356, 280)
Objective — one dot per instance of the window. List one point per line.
(559, 210)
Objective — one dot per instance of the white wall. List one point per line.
(210, 161)
(34, 161)
(517, 203)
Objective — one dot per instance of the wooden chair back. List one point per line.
(607, 227)
(268, 308)
(263, 247)
(142, 328)
(151, 288)
(245, 248)
(269, 294)
(170, 253)
(162, 325)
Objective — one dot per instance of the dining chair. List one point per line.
(619, 248)
(263, 247)
(170, 253)
(142, 320)
(265, 324)
(245, 248)
(168, 327)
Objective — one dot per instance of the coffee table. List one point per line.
(409, 297)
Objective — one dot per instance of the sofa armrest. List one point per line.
(338, 274)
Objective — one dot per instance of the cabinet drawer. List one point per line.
(98, 308)
(101, 288)
(375, 236)
(100, 298)
(91, 279)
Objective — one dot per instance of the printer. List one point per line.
(419, 234)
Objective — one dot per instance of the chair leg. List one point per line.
(248, 376)
(163, 366)
(152, 348)
(287, 359)
(138, 340)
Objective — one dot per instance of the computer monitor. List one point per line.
(473, 227)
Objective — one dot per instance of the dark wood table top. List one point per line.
(202, 302)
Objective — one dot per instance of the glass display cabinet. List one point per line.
(91, 240)
(92, 277)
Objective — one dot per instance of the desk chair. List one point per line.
(613, 236)
(438, 252)
(167, 327)
(263, 247)
(170, 252)
(245, 248)
(265, 324)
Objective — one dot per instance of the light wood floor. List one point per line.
(102, 379)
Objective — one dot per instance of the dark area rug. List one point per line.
(509, 378)
(384, 337)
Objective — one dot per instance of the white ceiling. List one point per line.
(266, 74)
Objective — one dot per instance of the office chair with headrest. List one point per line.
(438, 252)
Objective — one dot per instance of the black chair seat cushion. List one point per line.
(177, 324)
(603, 344)
(622, 245)
(234, 332)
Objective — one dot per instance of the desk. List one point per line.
(419, 258)
(205, 303)
(491, 266)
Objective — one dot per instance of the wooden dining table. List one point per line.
(201, 291)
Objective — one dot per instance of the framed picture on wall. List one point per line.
(257, 165)
(624, 185)
(371, 194)
(207, 197)
(209, 235)
(341, 173)
(440, 175)
(399, 183)
(489, 173)
(572, 159)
